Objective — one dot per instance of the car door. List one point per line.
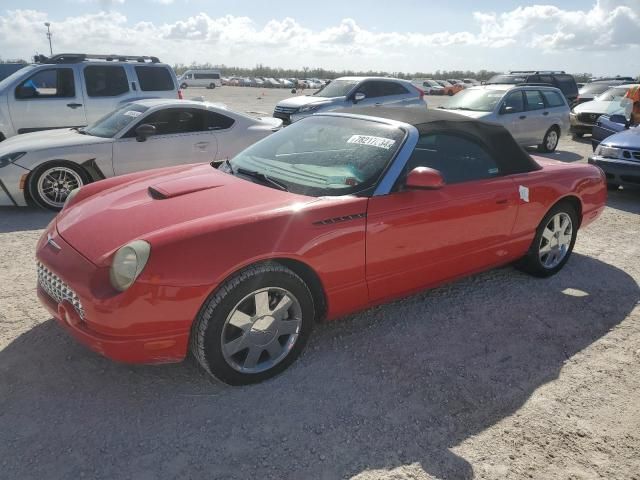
(105, 88)
(535, 122)
(48, 98)
(416, 238)
(182, 136)
(511, 114)
(557, 108)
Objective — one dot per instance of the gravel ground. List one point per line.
(497, 376)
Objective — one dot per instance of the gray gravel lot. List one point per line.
(498, 376)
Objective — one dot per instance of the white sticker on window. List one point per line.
(372, 141)
(132, 113)
(524, 193)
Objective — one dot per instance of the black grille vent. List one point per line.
(346, 218)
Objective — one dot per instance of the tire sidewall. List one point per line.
(32, 180)
(216, 317)
(543, 146)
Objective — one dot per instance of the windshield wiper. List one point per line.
(262, 177)
(461, 108)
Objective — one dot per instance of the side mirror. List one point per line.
(424, 178)
(617, 118)
(358, 97)
(26, 92)
(144, 131)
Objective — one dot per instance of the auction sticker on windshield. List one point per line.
(379, 142)
(132, 113)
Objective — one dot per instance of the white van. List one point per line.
(200, 78)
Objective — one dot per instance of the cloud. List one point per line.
(607, 25)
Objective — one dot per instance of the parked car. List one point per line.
(200, 78)
(584, 116)
(559, 79)
(535, 115)
(607, 125)
(619, 157)
(236, 265)
(429, 86)
(286, 83)
(271, 83)
(257, 82)
(449, 88)
(470, 82)
(73, 90)
(593, 89)
(44, 167)
(455, 81)
(346, 92)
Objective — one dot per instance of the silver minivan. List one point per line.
(535, 115)
(74, 90)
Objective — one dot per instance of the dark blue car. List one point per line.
(606, 126)
(619, 156)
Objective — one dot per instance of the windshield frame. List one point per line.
(386, 178)
(124, 128)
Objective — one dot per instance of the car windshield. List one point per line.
(594, 88)
(476, 100)
(613, 94)
(115, 121)
(507, 79)
(337, 88)
(323, 155)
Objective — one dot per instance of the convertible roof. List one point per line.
(510, 156)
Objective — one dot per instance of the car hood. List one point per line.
(303, 100)
(168, 200)
(594, 106)
(63, 137)
(625, 139)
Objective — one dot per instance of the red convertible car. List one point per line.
(336, 213)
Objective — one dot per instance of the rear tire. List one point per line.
(184, 86)
(577, 135)
(212, 86)
(254, 326)
(450, 93)
(550, 140)
(50, 184)
(553, 242)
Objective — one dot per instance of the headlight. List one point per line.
(128, 263)
(10, 158)
(608, 152)
(309, 108)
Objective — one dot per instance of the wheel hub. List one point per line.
(263, 330)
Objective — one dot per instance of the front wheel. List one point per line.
(450, 93)
(553, 243)
(49, 185)
(183, 86)
(550, 140)
(254, 326)
(212, 86)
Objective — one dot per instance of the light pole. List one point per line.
(47, 24)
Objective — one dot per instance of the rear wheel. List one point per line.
(550, 140)
(49, 185)
(183, 86)
(254, 326)
(450, 93)
(212, 86)
(553, 243)
(578, 135)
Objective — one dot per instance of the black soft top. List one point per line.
(510, 157)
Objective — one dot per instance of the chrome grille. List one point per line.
(590, 118)
(287, 110)
(57, 289)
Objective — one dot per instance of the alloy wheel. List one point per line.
(56, 183)
(556, 240)
(261, 330)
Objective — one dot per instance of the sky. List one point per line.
(596, 36)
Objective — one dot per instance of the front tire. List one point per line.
(550, 140)
(184, 86)
(254, 326)
(553, 243)
(212, 86)
(50, 184)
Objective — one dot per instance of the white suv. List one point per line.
(74, 90)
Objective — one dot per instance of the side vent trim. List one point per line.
(346, 218)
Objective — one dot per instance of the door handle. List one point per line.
(74, 105)
(546, 113)
(522, 117)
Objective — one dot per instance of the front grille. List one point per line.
(57, 289)
(590, 118)
(286, 110)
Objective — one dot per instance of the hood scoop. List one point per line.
(183, 186)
